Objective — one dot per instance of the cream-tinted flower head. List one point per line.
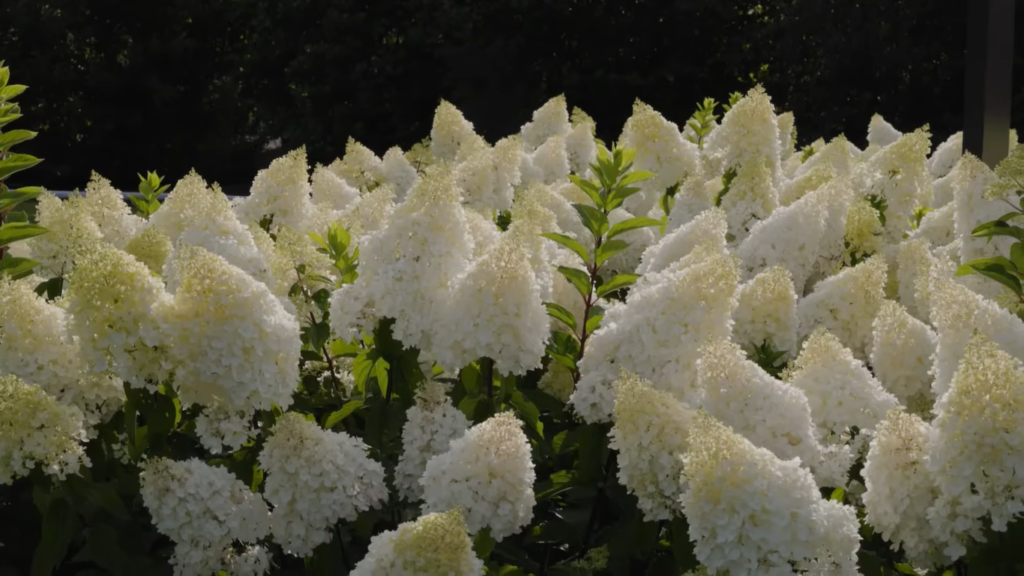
(109, 211)
(750, 199)
(189, 203)
(488, 473)
(901, 356)
(396, 170)
(708, 229)
(432, 545)
(881, 133)
(863, 230)
(551, 119)
(846, 304)
(429, 427)
(369, 214)
(151, 247)
(36, 430)
(899, 173)
(360, 167)
(331, 190)
(749, 130)
(839, 153)
(71, 234)
(112, 299)
(450, 132)
(650, 435)
(945, 156)
(800, 186)
(660, 148)
(767, 311)
(282, 192)
(740, 493)
(787, 133)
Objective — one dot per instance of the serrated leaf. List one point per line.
(15, 163)
(338, 415)
(635, 176)
(14, 231)
(592, 189)
(609, 249)
(9, 139)
(569, 243)
(578, 278)
(617, 282)
(632, 224)
(561, 314)
(595, 220)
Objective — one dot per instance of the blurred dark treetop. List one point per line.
(123, 86)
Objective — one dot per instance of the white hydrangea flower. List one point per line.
(841, 390)
(751, 198)
(900, 489)
(432, 545)
(797, 188)
(957, 313)
(847, 304)
(945, 156)
(901, 356)
(281, 191)
(660, 149)
(840, 154)
(693, 197)
(581, 148)
(369, 214)
(937, 226)
(548, 164)
(708, 229)
(202, 509)
(767, 312)
(360, 167)
(974, 450)
(639, 240)
(655, 334)
(450, 132)
(110, 212)
(787, 133)
(488, 176)
(408, 269)
(251, 561)
(973, 209)
(71, 234)
(899, 174)
(233, 343)
(218, 427)
(315, 478)
(914, 262)
(881, 133)
(429, 427)
(151, 247)
(36, 430)
(395, 169)
(111, 299)
(488, 473)
(863, 230)
(740, 493)
(332, 191)
(649, 434)
(749, 131)
(770, 413)
(557, 381)
(551, 119)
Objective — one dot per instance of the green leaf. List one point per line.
(9, 139)
(682, 548)
(595, 220)
(12, 198)
(617, 282)
(380, 370)
(15, 163)
(12, 91)
(59, 525)
(342, 348)
(560, 313)
(528, 410)
(631, 224)
(362, 367)
(619, 195)
(635, 176)
(8, 119)
(579, 279)
(592, 189)
(905, 569)
(609, 249)
(569, 243)
(1017, 255)
(14, 231)
(626, 157)
(319, 240)
(337, 416)
(16, 268)
(996, 272)
(5, 75)
(593, 322)
(104, 495)
(483, 543)
(838, 494)
(17, 217)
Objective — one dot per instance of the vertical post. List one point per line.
(989, 76)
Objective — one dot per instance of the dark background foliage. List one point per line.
(121, 87)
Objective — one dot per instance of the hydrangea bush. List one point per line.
(697, 350)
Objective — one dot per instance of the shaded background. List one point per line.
(125, 86)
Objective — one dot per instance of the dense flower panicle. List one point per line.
(751, 198)
(331, 191)
(900, 489)
(202, 509)
(767, 312)
(797, 188)
(581, 148)
(395, 169)
(37, 430)
(488, 176)
(899, 174)
(649, 434)
(111, 299)
(189, 203)
(957, 313)
(557, 381)
(660, 149)
(707, 229)
(233, 343)
(901, 356)
(218, 427)
(881, 133)
(639, 240)
(282, 192)
(429, 427)
(369, 214)
(408, 269)
(315, 478)
(937, 226)
(914, 262)
(974, 451)
(488, 473)
(35, 345)
(863, 230)
(693, 197)
(769, 413)
(360, 167)
(945, 157)
(787, 133)
(107, 208)
(847, 304)
(740, 493)
(450, 132)
(657, 332)
(251, 561)
(432, 545)
(973, 209)
(71, 234)
(841, 390)
(551, 119)
(151, 247)
(293, 249)
(840, 154)
(749, 131)
(548, 164)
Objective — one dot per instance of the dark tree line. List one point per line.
(121, 87)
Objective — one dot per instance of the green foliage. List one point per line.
(150, 187)
(806, 152)
(919, 214)
(769, 359)
(336, 245)
(735, 97)
(14, 226)
(702, 121)
(727, 179)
